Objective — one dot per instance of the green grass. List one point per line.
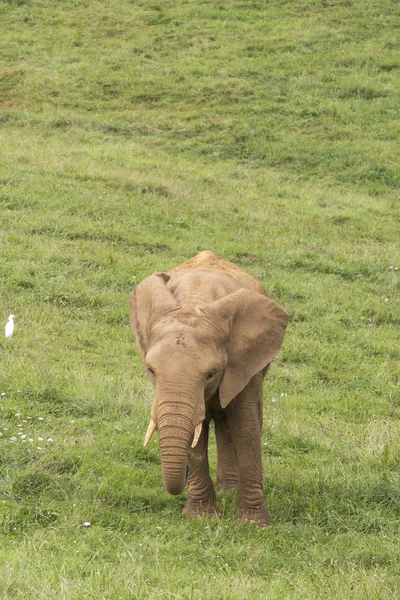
(134, 135)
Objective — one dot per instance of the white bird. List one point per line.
(10, 326)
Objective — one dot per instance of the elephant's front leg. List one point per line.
(244, 415)
(201, 494)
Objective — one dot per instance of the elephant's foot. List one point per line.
(201, 499)
(260, 518)
(197, 509)
(252, 508)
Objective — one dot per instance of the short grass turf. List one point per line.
(133, 135)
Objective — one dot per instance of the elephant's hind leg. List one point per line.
(227, 471)
(201, 494)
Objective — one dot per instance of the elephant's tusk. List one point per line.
(150, 430)
(197, 433)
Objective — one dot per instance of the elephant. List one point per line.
(207, 333)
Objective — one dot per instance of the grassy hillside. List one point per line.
(133, 135)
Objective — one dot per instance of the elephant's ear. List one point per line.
(148, 301)
(257, 328)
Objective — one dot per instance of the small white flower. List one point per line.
(283, 394)
(30, 439)
(5, 428)
(39, 448)
(19, 390)
(1, 435)
(158, 527)
(273, 399)
(23, 436)
(49, 439)
(40, 418)
(23, 441)
(40, 439)
(13, 438)
(3, 393)
(17, 415)
(87, 524)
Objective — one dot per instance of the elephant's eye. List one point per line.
(211, 374)
(151, 371)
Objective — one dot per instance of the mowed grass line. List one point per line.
(133, 136)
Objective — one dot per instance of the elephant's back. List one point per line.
(208, 261)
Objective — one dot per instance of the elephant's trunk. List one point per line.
(175, 421)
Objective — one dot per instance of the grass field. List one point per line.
(133, 135)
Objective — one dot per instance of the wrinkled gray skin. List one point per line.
(207, 332)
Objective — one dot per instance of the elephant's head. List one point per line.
(190, 353)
